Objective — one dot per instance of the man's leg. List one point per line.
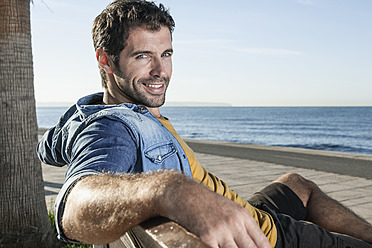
(325, 211)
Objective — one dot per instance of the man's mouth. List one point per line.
(156, 86)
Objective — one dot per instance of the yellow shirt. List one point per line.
(201, 175)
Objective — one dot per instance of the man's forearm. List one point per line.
(101, 208)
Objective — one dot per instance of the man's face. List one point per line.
(145, 67)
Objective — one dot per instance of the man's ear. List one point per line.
(104, 60)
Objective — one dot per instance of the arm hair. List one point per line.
(101, 208)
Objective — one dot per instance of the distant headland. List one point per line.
(167, 104)
(196, 104)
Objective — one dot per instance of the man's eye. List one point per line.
(168, 54)
(141, 56)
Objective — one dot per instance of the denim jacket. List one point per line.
(123, 138)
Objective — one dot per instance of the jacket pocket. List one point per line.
(159, 152)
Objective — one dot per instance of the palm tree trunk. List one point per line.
(23, 215)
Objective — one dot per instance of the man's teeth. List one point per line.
(154, 86)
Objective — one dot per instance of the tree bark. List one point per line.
(23, 214)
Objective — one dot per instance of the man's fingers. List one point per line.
(229, 225)
(235, 241)
(245, 241)
(230, 236)
(256, 234)
(238, 231)
(228, 244)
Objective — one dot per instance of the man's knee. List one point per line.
(300, 185)
(294, 178)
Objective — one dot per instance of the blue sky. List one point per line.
(244, 52)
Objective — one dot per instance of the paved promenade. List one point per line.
(246, 176)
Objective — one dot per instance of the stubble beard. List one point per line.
(137, 94)
(154, 101)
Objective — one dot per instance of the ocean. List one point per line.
(342, 129)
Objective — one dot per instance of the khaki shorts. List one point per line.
(289, 215)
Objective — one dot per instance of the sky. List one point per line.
(242, 52)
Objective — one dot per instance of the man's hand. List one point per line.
(218, 221)
(101, 208)
(231, 226)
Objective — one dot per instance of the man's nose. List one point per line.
(158, 69)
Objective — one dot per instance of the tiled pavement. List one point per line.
(53, 181)
(247, 176)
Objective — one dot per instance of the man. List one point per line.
(109, 139)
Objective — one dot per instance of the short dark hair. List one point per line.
(111, 28)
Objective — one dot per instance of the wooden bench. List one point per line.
(155, 233)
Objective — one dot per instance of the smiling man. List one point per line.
(142, 74)
(127, 163)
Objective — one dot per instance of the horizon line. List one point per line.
(201, 104)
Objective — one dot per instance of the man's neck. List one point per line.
(155, 112)
(109, 99)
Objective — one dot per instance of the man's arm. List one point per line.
(101, 208)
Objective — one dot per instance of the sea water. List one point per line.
(344, 129)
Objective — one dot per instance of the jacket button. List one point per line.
(143, 109)
(159, 157)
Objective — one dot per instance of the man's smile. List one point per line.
(155, 88)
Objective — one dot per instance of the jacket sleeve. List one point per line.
(104, 146)
(46, 152)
